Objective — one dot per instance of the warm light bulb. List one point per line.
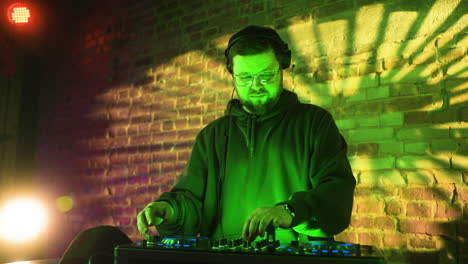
(19, 14)
(22, 220)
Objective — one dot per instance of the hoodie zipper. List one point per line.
(251, 137)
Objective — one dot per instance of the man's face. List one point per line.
(258, 98)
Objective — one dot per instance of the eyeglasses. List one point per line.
(264, 77)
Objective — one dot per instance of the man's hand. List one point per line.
(261, 217)
(152, 215)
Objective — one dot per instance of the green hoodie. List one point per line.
(294, 154)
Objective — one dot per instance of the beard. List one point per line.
(260, 106)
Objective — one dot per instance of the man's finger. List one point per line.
(148, 215)
(253, 228)
(263, 225)
(142, 225)
(245, 230)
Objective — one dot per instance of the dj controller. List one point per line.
(201, 250)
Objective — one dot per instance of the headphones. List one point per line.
(255, 32)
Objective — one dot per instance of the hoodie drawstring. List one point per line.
(251, 138)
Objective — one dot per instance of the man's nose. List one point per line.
(256, 84)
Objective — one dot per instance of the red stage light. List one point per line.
(18, 14)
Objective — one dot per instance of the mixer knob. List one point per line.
(215, 243)
(294, 243)
(246, 243)
(223, 242)
(189, 243)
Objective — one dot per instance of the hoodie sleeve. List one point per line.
(187, 195)
(325, 209)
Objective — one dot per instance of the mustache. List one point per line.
(258, 93)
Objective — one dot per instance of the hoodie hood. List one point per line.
(287, 100)
(247, 122)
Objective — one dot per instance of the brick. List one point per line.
(370, 67)
(194, 121)
(450, 211)
(455, 85)
(347, 236)
(325, 75)
(403, 89)
(444, 116)
(463, 194)
(187, 134)
(368, 238)
(413, 73)
(360, 163)
(140, 200)
(394, 62)
(381, 178)
(359, 95)
(443, 193)
(412, 226)
(448, 55)
(464, 114)
(425, 88)
(370, 134)
(350, 85)
(378, 92)
(448, 176)
(458, 132)
(347, 71)
(368, 121)
(391, 119)
(416, 148)
(422, 162)
(319, 89)
(459, 161)
(343, 124)
(395, 207)
(384, 223)
(141, 140)
(370, 205)
(359, 221)
(420, 133)
(421, 177)
(395, 240)
(458, 69)
(368, 190)
(367, 149)
(420, 209)
(390, 147)
(422, 241)
(399, 104)
(416, 117)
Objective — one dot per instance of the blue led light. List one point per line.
(324, 250)
(346, 244)
(138, 243)
(186, 245)
(289, 249)
(282, 246)
(345, 251)
(335, 251)
(314, 250)
(160, 244)
(177, 245)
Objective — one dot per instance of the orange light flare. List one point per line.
(19, 14)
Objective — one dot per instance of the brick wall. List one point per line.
(144, 79)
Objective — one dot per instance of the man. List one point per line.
(268, 160)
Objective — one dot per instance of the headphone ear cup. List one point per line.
(286, 58)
